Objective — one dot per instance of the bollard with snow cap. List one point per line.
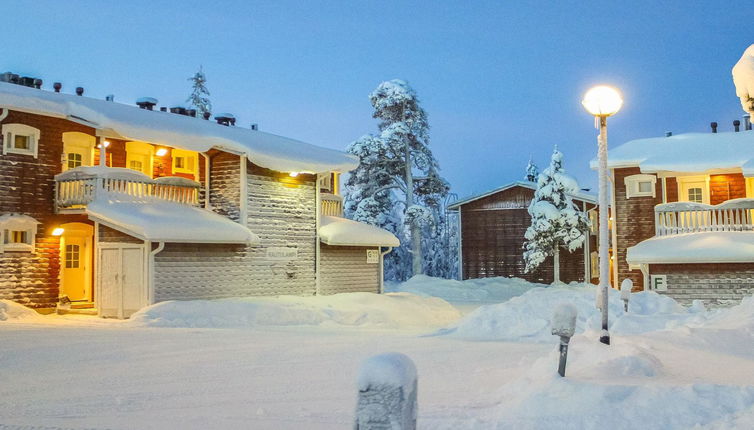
(625, 292)
(564, 325)
(387, 393)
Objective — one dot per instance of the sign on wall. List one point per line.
(658, 282)
(282, 253)
(373, 256)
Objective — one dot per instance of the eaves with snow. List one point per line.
(691, 152)
(127, 122)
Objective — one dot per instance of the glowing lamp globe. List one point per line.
(602, 101)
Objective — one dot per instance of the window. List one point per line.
(17, 232)
(185, 162)
(640, 186)
(136, 165)
(74, 160)
(693, 189)
(695, 195)
(20, 139)
(72, 254)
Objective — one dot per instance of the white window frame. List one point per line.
(16, 222)
(632, 185)
(10, 131)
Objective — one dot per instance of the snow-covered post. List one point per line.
(387, 393)
(625, 292)
(603, 101)
(564, 325)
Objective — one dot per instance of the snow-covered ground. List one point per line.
(293, 363)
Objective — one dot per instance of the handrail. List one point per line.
(690, 217)
(76, 192)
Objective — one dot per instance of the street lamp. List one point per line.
(603, 101)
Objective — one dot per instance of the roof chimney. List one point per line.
(668, 133)
(110, 97)
(225, 119)
(206, 115)
(57, 86)
(180, 110)
(79, 91)
(38, 84)
(255, 126)
(714, 126)
(747, 122)
(147, 103)
(163, 109)
(191, 113)
(737, 125)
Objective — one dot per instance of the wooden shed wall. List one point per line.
(344, 269)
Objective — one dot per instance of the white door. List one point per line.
(122, 281)
(693, 191)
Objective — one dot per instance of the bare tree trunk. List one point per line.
(416, 243)
(556, 266)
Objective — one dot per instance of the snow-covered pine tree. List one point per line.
(199, 97)
(396, 185)
(532, 171)
(555, 220)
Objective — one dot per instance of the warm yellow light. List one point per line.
(58, 231)
(602, 101)
(161, 152)
(106, 143)
(294, 174)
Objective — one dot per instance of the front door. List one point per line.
(76, 261)
(693, 191)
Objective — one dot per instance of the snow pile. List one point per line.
(393, 369)
(345, 232)
(488, 290)
(743, 79)
(527, 318)
(564, 320)
(364, 310)
(11, 311)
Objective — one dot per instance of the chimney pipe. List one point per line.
(206, 115)
(714, 126)
(38, 84)
(110, 97)
(79, 91)
(163, 109)
(668, 133)
(737, 125)
(147, 103)
(747, 122)
(57, 86)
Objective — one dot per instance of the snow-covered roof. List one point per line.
(178, 131)
(706, 247)
(743, 79)
(345, 232)
(691, 152)
(168, 222)
(582, 196)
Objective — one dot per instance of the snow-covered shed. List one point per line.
(491, 235)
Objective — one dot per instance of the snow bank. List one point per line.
(704, 247)
(527, 318)
(11, 311)
(489, 290)
(364, 310)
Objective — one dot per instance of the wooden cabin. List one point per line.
(115, 207)
(492, 227)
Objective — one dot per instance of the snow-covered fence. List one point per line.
(387, 393)
(82, 191)
(332, 205)
(564, 325)
(689, 217)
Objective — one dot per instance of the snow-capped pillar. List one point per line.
(603, 215)
(564, 325)
(387, 393)
(625, 292)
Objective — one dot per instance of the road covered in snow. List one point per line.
(293, 363)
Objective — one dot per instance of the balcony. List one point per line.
(76, 188)
(688, 217)
(332, 205)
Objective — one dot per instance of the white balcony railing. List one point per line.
(332, 205)
(687, 217)
(78, 187)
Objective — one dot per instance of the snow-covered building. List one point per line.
(683, 214)
(491, 235)
(116, 207)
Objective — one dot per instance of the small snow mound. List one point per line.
(11, 310)
(396, 310)
(490, 290)
(392, 368)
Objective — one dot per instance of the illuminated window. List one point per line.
(20, 139)
(17, 232)
(72, 256)
(696, 195)
(75, 160)
(136, 165)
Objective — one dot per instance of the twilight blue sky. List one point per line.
(500, 80)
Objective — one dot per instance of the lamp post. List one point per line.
(603, 101)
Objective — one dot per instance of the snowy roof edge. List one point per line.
(586, 197)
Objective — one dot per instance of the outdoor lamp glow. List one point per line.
(58, 231)
(293, 174)
(161, 152)
(602, 101)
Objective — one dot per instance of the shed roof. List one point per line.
(581, 196)
(346, 232)
(178, 131)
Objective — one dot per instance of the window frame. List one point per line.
(9, 133)
(632, 185)
(11, 223)
(182, 153)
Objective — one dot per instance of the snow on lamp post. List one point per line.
(603, 101)
(564, 325)
(387, 393)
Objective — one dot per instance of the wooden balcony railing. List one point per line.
(75, 189)
(332, 205)
(687, 217)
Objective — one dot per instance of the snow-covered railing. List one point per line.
(78, 187)
(332, 205)
(688, 217)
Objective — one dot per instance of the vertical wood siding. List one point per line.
(344, 269)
